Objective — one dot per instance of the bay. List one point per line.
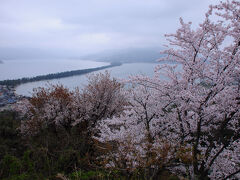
(119, 72)
(15, 69)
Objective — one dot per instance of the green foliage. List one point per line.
(27, 162)
(10, 141)
(90, 175)
(84, 175)
(50, 153)
(68, 160)
(13, 168)
(15, 163)
(10, 165)
(24, 176)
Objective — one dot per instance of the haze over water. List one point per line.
(15, 69)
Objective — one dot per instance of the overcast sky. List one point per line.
(88, 26)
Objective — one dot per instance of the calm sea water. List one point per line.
(15, 69)
(119, 72)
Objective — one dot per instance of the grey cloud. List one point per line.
(80, 27)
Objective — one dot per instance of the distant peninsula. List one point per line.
(129, 55)
(16, 82)
(1, 62)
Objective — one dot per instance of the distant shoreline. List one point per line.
(16, 82)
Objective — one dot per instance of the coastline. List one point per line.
(16, 82)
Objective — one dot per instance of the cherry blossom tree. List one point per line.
(58, 107)
(187, 122)
(137, 135)
(197, 108)
(62, 122)
(49, 108)
(102, 98)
